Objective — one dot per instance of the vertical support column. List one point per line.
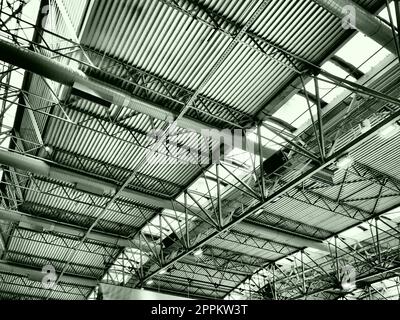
(320, 123)
(397, 10)
(260, 150)
(161, 233)
(303, 275)
(186, 221)
(369, 292)
(273, 282)
(220, 218)
(377, 240)
(396, 44)
(337, 261)
(311, 115)
(141, 260)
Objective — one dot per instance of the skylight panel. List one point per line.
(360, 51)
(175, 225)
(189, 201)
(199, 196)
(29, 13)
(337, 71)
(154, 226)
(328, 91)
(116, 277)
(394, 214)
(363, 52)
(357, 233)
(292, 109)
(272, 140)
(385, 13)
(205, 187)
(305, 117)
(268, 138)
(171, 221)
(239, 161)
(295, 111)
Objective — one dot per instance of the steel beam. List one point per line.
(70, 27)
(69, 76)
(283, 190)
(49, 225)
(86, 183)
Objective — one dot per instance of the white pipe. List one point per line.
(67, 75)
(15, 216)
(36, 274)
(360, 19)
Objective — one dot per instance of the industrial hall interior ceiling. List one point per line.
(200, 149)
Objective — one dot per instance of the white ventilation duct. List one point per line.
(29, 221)
(37, 275)
(69, 76)
(358, 18)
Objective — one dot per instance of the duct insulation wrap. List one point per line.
(354, 16)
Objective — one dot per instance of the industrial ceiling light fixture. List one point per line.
(365, 126)
(390, 131)
(198, 252)
(163, 271)
(150, 282)
(345, 162)
(276, 199)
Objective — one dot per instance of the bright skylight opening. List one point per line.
(29, 14)
(272, 141)
(394, 215)
(240, 162)
(292, 110)
(268, 138)
(171, 221)
(204, 187)
(385, 13)
(363, 231)
(189, 201)
(332, 68)
(329, 92)
(363, 52)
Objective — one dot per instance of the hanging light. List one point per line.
(345, 162)
(150, 282)
(365, 126)
(163, 271)
(276, 199)
(389, 131)
(198, 252)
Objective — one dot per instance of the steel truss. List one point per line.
(140, 82)
(282, 191)
(225, 261)
(320, 278)
(73, 292)
(172, 92)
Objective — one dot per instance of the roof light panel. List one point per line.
(363, 52)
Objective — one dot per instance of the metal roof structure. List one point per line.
(208, 149)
